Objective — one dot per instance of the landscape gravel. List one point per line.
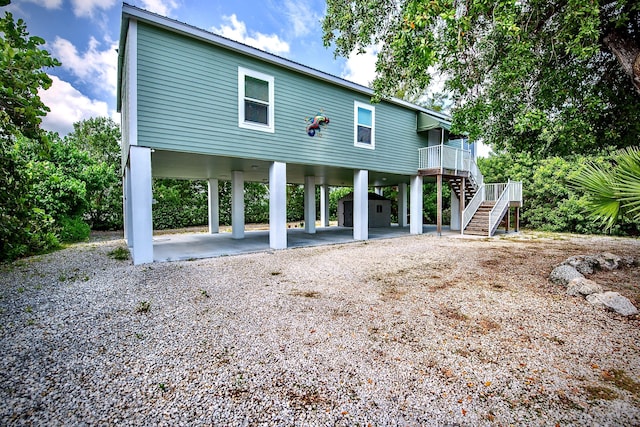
(411, 331)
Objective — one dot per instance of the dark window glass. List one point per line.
(364, 134)
(256, 112)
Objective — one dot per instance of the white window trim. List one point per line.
(356, 105)
(270, 127)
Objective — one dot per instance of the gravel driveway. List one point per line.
(412, 331)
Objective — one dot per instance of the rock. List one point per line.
(581, 286)
(608, 261)
(613, 301)
(583, 263)
(563, 274)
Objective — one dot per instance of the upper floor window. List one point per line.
(364, 125)
(255, 100)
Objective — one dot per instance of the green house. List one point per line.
(196, 105)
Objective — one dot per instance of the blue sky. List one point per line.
(83, 35)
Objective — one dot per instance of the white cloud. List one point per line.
(68, 106)
(301, 17)
(87, 8)
(95, 67)
(161, 7)
(237, 30)
(361, 68)
(48, 4)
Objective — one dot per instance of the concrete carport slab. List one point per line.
(180, 247)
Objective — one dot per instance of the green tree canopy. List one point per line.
(546, 77)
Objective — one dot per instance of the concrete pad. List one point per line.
(186, 246)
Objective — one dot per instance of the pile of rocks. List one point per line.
(571, 273)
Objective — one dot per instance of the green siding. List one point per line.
(188, 101)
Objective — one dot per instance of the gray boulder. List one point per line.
(585, 264)
(613, 301)
(608, 261)
(563, 274)
(580, 287)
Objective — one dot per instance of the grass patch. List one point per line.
(621, 380)
(600, 393)
(143, 307)
(305, 294)
(120, 253)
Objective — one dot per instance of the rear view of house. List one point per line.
(198, 106)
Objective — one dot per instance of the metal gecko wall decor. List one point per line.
(316, 124)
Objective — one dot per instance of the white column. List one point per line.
(402, 205)
(237, 205)
(278, 205)
(361, 205)
(324, 205)
(455, 211)
(214, 206)
(141, 224)
(310, 204)
(416, 205)
(126, 204)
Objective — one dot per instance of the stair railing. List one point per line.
(501, 206)
(471, 209)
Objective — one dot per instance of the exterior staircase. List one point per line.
(485, 204)
(479, 224)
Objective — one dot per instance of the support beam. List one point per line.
(361, 205)
(462, 203)
(214, 206)
(402, 205)
(310, 204)
(439, 204)
(140, 215)
(517, 224)
(278, 205)
(237, 205)
(507, 220)
(415, 224)
(324, 205)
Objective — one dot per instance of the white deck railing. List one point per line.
(471, 209)
(444, 157)
(502, 204)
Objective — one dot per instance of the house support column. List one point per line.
(214, 206)
(439, 205)
(324, 205)
(402, 205)
(237, 205)
(361, 205)
(415, 224)
(507, 220)
(462, 203)
(278, 205)
(517, 219)
(455, 212)
(126, 204)
(310, 204)
(140, 227)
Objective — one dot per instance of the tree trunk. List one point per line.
(627, 52)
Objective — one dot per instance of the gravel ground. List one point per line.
(410, 331)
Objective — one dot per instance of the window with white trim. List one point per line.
(364, 118)
(255, 100)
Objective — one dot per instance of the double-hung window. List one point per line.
(255, 100)
(364, 116)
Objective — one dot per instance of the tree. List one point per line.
(546, 77)
(23, 228)
(99, 138)
(613, 190)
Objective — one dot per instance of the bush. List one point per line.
(71, 230)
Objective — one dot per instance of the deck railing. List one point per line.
(444, 157)
(472, 207)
